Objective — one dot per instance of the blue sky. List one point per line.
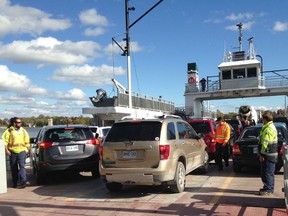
(55, 54)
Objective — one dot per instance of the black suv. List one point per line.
(64, 147)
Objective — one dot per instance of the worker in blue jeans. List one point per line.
(17, 146)
(268, 152)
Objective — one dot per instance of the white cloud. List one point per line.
(75, 94)
(17, 83)
(49, 50)
(280, 26)
(16, 19)
(94, 31)
(239, 16)
(11, 81)
(134, 47)
(87, 75)
(91, 17)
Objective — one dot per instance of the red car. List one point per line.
(206, 127)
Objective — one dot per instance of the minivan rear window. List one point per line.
(140, 131)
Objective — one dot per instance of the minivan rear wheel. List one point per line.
(114, 187)
(180, 179)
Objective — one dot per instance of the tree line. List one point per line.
(42, 120)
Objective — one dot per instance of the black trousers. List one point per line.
(222, 152)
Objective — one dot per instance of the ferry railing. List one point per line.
(138, 101)
(268, 79)
(146, 102)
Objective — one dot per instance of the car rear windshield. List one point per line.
(254, 132)
(201, 127)
(68, 134)
(134, 131)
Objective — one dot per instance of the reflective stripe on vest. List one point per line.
(12, 143)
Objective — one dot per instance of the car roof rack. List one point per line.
(168, 116)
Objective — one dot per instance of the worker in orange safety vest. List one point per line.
(17, 147)
(222, 137)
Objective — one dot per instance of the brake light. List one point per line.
(236, 149)
(281, 152)
(93, 142)
(164, 152)
(101, 152)
(44, 145)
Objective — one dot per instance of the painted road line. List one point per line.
(224, 186)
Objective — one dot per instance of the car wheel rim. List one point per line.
(181, 176)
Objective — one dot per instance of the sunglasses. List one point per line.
(18, 122)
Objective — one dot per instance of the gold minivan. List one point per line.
(160, 151)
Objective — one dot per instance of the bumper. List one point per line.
(165, 172)
(87, 166)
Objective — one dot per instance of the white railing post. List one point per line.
(3, 171)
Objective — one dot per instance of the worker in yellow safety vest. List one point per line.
(17, 147)
(222, 137)
(268, 153)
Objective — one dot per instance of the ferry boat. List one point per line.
(240, 75)
(127, 103)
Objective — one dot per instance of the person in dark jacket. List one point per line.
(203, 84)
(268, 153)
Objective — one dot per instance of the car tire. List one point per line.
(237, 168)
(114, 187)
(179, 179)
(40, 177)
(95, 173)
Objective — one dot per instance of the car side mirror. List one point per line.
(32, 140)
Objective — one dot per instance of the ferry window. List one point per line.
(252, 72)
(226, 74)
(239, 73)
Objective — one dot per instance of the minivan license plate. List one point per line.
(72, 148)
(129, 154)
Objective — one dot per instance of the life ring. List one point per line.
(191, 80)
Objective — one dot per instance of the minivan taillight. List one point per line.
(44, 145)
(164, 152)
(236, 149)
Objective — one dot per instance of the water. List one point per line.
(31, 131)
